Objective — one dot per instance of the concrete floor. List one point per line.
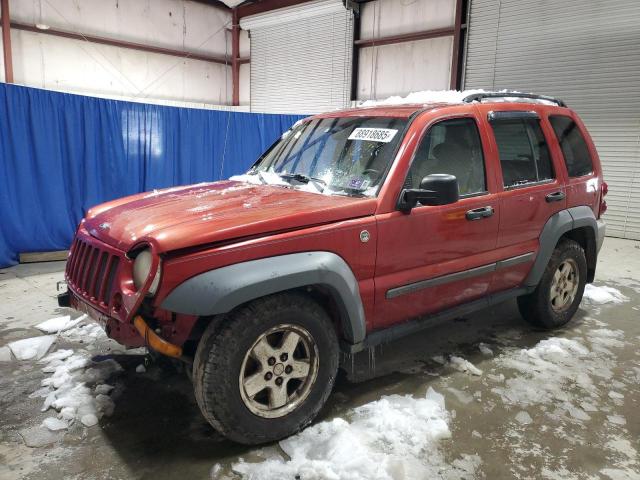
(512, 421)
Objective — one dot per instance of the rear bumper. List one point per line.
(602, 228)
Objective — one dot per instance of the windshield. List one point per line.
(333, 156)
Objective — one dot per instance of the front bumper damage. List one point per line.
(140, 334)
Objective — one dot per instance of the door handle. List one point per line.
(479, 213)
(555, 197)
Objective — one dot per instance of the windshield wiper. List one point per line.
(299, 177)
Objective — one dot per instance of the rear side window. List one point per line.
(574, 147)
(524, 154)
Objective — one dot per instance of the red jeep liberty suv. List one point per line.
(356, 227)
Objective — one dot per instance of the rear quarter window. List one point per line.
(574, 147)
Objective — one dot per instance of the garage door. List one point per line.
(585, 52)
(301, 58)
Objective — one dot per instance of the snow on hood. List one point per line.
(205, 213)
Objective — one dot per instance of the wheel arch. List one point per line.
(324, 275)
(577, 223)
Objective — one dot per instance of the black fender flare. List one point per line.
(221, 290)
(559, 224)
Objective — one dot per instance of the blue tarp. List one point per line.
(60, 154)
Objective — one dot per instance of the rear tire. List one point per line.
(265, 371)
(558, 294)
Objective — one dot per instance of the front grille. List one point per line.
(92, 271)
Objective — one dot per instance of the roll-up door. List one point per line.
(585, 52)
(301, 58)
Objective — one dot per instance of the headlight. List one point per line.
(141, 269)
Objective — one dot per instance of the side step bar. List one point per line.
(387, 335)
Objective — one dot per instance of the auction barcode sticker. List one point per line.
(384, 135)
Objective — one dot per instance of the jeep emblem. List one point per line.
(364, 236)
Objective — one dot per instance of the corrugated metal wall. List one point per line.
(301, 58)
(586, 52)
(424, 64)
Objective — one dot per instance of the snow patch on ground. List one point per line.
(545, 372)
(54, 424)
(395, 437)
(599, 295)
(72, 376)
(59, 324)
(32, 348)
(569, 381)
(523, 418)
(69, 387)
(463, 365)
(5, 354)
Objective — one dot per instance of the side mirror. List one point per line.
(435, 189)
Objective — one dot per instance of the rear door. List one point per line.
(435, 257)
(532, 184)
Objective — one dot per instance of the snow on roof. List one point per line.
(444, 96)
(425, 96)
(232, 3)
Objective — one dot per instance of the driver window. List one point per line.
(453, 147)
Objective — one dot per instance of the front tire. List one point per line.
(559, 292)
(265, 371)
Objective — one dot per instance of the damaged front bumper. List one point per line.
(137, 335)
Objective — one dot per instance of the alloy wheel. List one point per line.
(564, 285)
(278, 371)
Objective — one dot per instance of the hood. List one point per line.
(182, 217)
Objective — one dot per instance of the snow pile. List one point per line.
(600, 295)
(69, 388)
(31, 348)
(56, 325)
(394, 437)
(75, 386)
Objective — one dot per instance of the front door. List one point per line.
(438, 256)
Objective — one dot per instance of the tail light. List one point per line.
(603, 204)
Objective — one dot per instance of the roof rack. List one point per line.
(478, 97)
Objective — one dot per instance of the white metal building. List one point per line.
(585, 52)
(296, 56)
